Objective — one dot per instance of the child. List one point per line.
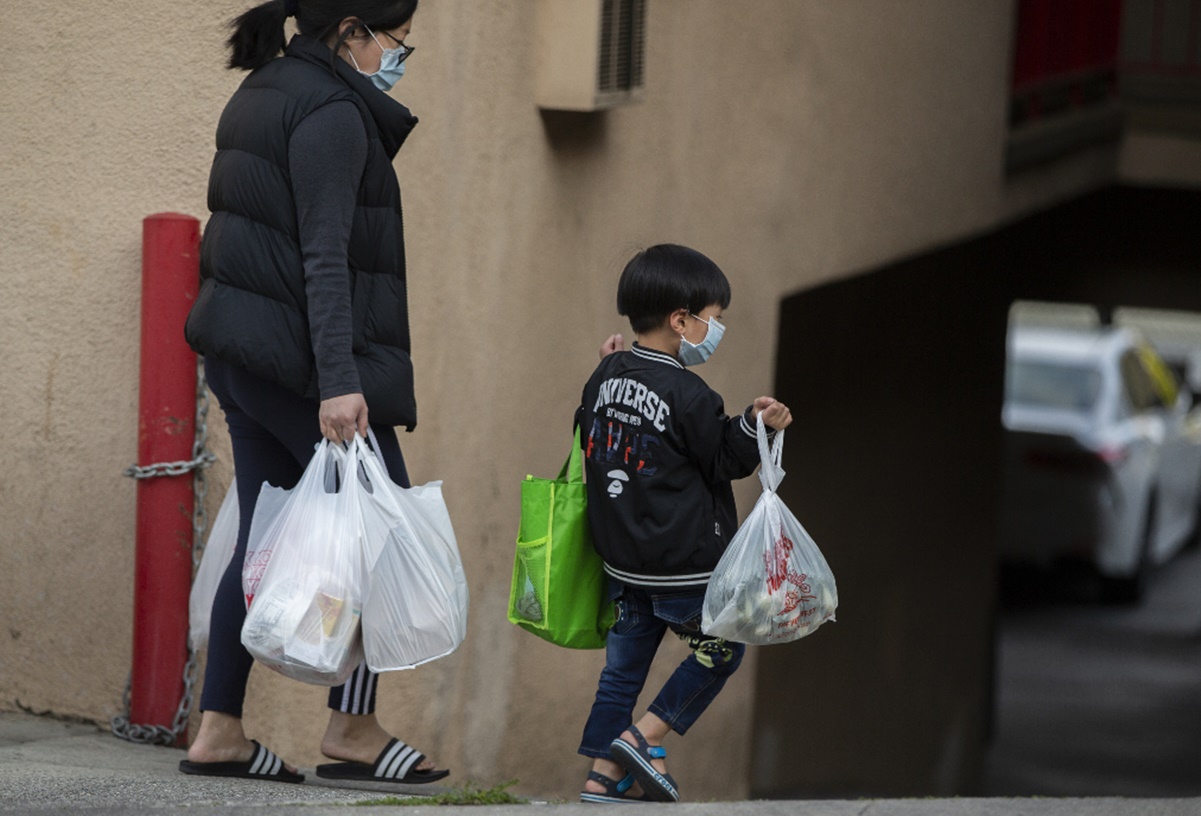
(660, 453)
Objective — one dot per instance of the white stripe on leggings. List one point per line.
(356, 693)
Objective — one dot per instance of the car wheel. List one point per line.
(1130, 590)
(1194, 537)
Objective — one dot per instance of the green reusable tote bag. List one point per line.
(558, 590)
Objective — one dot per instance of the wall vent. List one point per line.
(591, 53)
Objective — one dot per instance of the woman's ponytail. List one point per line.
(258, 35)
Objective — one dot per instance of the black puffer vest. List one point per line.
(252, 310)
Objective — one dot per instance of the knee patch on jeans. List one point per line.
(711, 652)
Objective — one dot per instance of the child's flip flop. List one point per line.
(659, 787)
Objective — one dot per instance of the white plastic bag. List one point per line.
(303, 619)
(267, 507)
(218, 552)
(772, 584)
(415, 599)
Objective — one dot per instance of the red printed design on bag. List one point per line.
(776, 562)
(779, 575)
(252, 572)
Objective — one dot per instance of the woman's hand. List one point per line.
(342, 417)
(775, 413)
(614, 343)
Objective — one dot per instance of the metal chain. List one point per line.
(201, 459)
(170, 468)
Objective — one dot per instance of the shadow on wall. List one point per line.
(896, 378)
(571, 132)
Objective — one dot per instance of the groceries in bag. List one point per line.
(772, 585)
(415, 599)
(304, 613)
(558, 588)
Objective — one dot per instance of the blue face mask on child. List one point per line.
(391, 65)
(695, 354)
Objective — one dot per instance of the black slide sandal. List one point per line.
(264, 765)
(394, 764)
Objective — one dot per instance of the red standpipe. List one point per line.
(166, 432)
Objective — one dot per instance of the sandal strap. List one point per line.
(396, 760)
(654, 751)
(616, 787)
(265, 762)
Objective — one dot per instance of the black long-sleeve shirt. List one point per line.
(326, 158)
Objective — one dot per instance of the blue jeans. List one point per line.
(644, 616)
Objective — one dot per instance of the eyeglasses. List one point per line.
(408, 49)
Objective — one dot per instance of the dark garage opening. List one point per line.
(895, 378)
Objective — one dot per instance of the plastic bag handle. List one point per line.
(370, 462)
(770, 456)
(340, 453)
(573, 468)
(334, 458)
(373, 471)
(375, 449)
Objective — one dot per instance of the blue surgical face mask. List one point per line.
(695, 354)
(391, 65)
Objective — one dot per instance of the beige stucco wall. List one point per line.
(794, 141)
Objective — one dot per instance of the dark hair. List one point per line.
(665, 277)
(258, 34)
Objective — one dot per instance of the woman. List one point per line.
(302, 318)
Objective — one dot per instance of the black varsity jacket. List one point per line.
(659, 456)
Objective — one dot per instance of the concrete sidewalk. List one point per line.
(47, 767)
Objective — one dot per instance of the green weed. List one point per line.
(466, 794)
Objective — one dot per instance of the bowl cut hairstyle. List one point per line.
(665, 277)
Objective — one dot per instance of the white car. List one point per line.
(1102, 455)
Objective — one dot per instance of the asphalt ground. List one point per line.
(1100, 699)
(49, 767)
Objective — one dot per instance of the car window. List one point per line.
(1162, 379)
(1140, 388)
(1052, 385)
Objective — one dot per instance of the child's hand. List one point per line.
(614, 343)
(775, 413)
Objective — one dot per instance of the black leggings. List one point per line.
(273, 432)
